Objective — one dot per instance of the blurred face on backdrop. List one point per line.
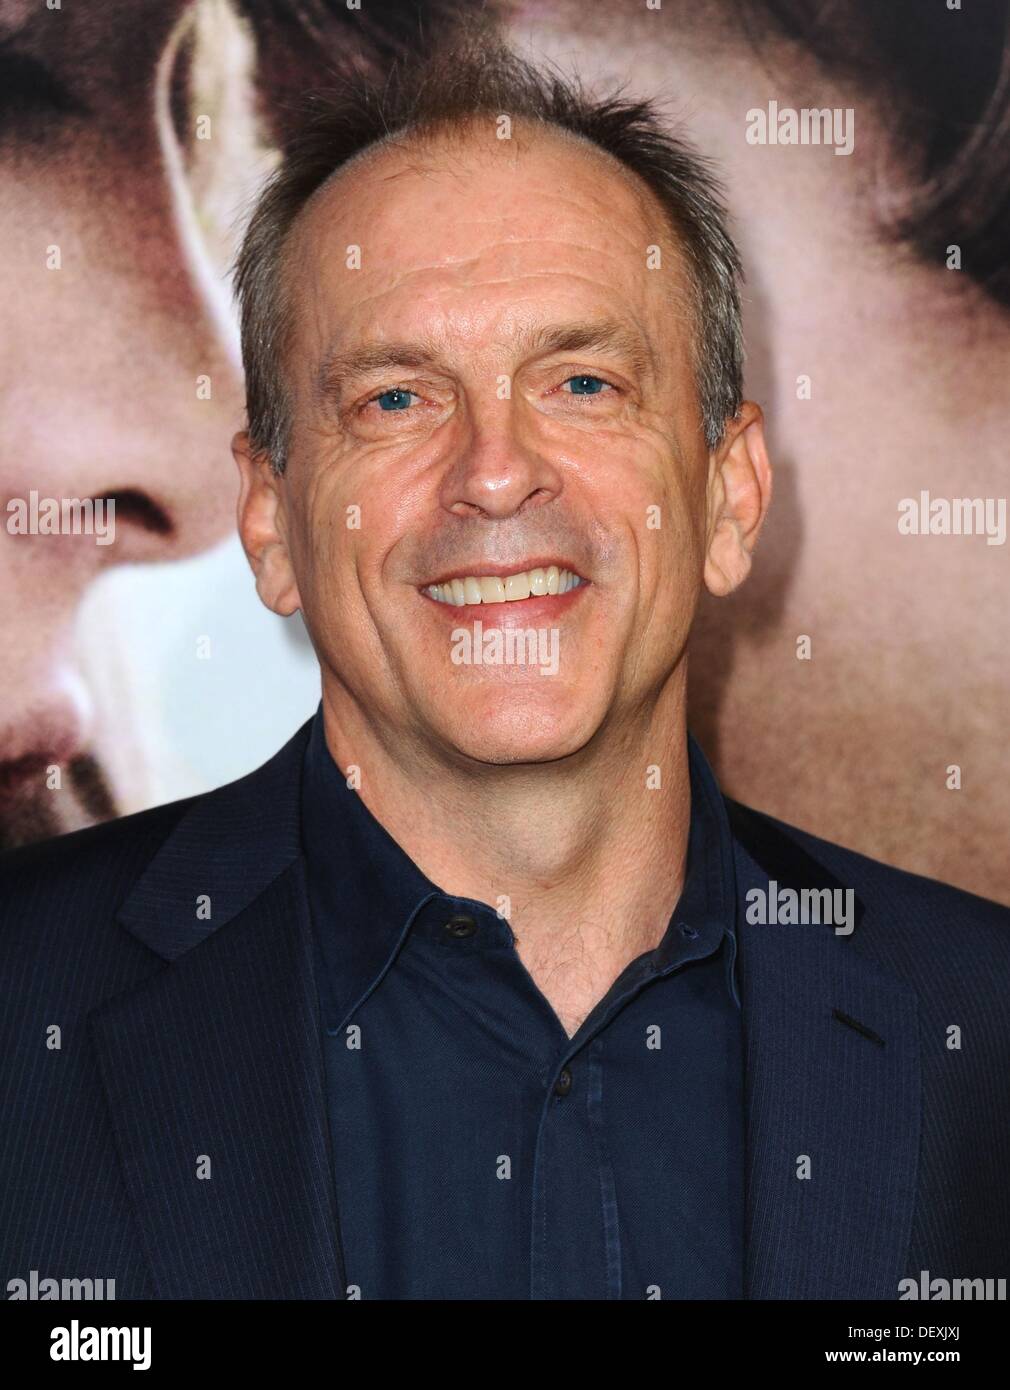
(884, 373)
(131, 140)
(505, 390)
(118, 371)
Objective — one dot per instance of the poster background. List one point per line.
(186, 682)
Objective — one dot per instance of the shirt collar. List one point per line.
(367, 892)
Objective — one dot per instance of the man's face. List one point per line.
(502, 387)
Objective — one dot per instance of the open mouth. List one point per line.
(460, 591)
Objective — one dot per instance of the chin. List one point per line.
(514, 726)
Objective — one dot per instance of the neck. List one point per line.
(583, 856)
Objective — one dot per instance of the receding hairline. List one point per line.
(460, 135)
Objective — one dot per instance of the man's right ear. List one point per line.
(261, 526)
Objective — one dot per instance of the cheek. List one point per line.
(322, 543)
(374, 489)
(661, 491)
(671, 531)
(345, 538)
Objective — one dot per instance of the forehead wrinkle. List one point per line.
(334, 366)
(457, 154)
(338, 365)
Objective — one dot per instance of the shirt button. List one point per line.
(564, 1083)
(460, 926)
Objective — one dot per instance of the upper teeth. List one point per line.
(492, 589)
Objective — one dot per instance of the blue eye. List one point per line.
(395, 399)
(585, 385)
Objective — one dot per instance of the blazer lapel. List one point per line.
(833, 1090)
(214, 1074)
(213, 1066)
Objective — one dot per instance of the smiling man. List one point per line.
(480, 988)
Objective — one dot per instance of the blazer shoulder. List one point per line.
(62, 949)
(905, 899)
(63, 890)
(92, 868)
(117, 851)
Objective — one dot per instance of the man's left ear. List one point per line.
(261, 528)
(739, 490)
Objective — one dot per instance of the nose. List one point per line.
(125, 384)
(500, 470)
(46, 713)
(46, 721)
(135, 403)
(119, 382)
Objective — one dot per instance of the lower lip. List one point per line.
(521, 612)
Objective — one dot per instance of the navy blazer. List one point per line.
(185, 1035)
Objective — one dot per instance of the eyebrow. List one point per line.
(339, 367)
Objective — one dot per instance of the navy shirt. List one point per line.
(481, 1153)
